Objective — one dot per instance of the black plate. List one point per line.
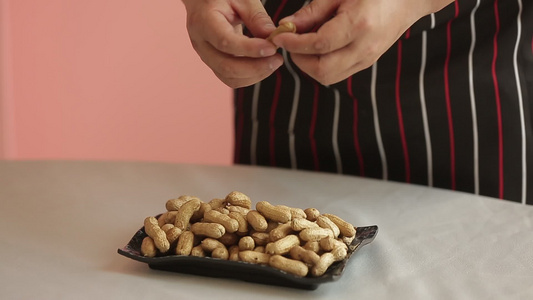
(213, 267)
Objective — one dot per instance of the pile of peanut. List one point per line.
(294, 240)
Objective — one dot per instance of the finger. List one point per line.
(330, 37)
(254, 16)
(225, 38)
(259, 71)
(239, 71)
(313, 66)
(333, 67)
(312, 15)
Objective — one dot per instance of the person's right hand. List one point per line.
(215, 30)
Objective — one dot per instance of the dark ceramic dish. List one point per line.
(213, 267)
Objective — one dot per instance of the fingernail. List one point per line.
(319, 45)
(286, 19)
(275, 63)
(267, 51)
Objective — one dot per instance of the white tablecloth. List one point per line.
(62, 223)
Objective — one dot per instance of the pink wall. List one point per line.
(108, 80)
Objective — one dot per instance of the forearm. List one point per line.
(436, 5)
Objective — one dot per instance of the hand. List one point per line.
(215, 30)
(351, 36)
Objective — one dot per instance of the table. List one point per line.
(63, 221)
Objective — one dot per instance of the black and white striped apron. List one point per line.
(449, 105)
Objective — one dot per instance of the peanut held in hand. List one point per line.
(285, 27)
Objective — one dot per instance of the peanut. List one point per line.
(246, 243)
(148, 248)
(241, 219)
(301, 224)
(166, 227)
(197, 251)
(285, 27)
(239, 199)
(168, 217)
(297, 213)
(234, 253)
(254, 257)
(282, 246)
(325, 222)
(230, 224)
(239, 209)
(210, 244)
(280, 232)
(288, 265)
(348, 239)
(199, 214)
(307, 256)
(271, 225)
(313, 246)
(311, 214)
(281, 214)
(187, 198)
(185, 243)
(222, 210)
(221, 253)
(339, 253)
(229, 239)
(212, 230)
(329, 243)
(323, 264)
(345, 228)
(315, 234)
(152, 229)
(256, 220)
(217, 203)
(185, 213)
(175, 204)
(260, 238)
(173, 234)
(260, 249)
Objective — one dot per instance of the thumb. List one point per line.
(254, 17)
(312, 15)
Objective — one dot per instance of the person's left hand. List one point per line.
(351, 36)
